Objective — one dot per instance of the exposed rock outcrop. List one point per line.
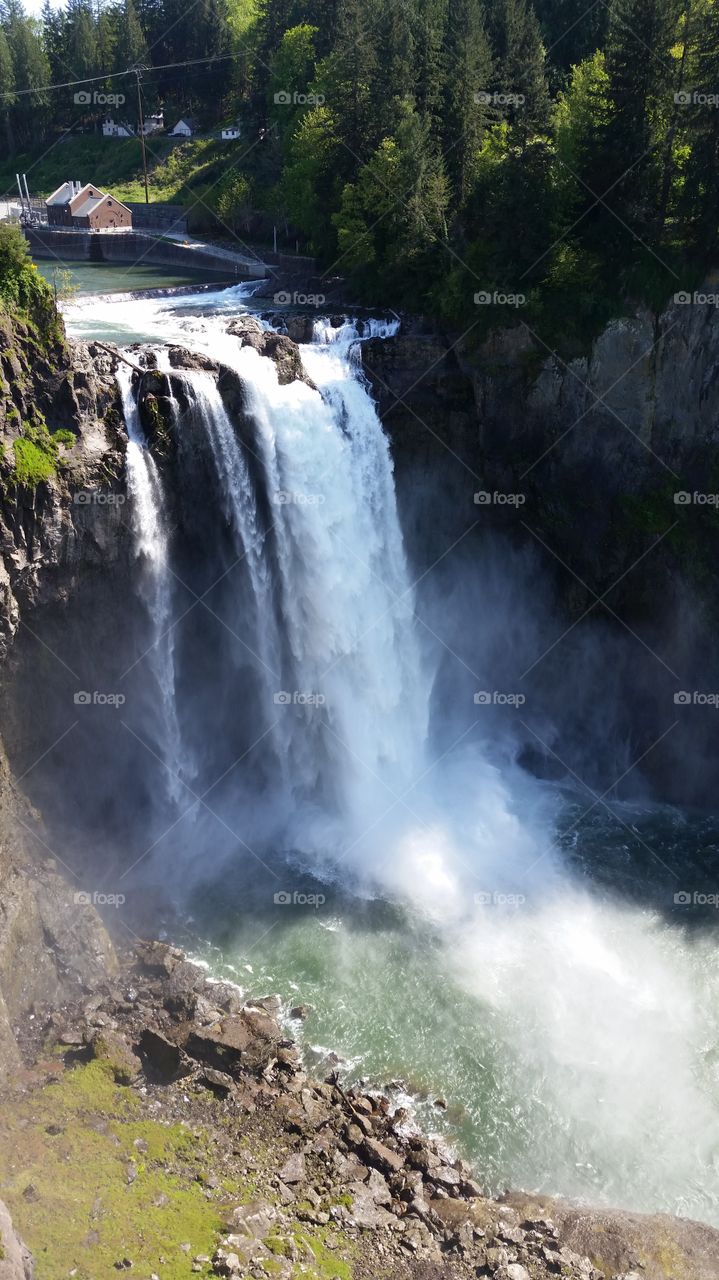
(53, 533)
(16, 1261)
(610, 462)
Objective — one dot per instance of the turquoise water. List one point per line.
(93, 278)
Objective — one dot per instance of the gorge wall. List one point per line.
(602, 470)
(56, 539)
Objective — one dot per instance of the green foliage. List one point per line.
(22, 288)
(427, 149)
(37, 453)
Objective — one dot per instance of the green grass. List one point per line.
(37, 453)
(82, 1211)
(179, 172)
(65, 1152)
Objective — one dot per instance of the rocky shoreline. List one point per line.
(297, 1177)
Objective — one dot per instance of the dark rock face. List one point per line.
(611, 463)
(53, 539)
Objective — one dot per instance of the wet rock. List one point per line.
(277, 346)
(301, 1011)
(158, 957)
(181, 358)
(182, 986)
(246, 1040)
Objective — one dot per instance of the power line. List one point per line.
(112, 75)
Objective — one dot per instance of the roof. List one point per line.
(190, 121)
(63, 194)
(88, 205)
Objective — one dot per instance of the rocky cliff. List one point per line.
(61, 473)
(605, 470)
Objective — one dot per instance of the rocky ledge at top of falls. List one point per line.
(49, 531)
(309, 1177)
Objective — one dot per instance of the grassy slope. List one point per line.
(178, 172)
(90, 1180)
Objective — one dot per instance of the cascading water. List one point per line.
(576, 1034)
(155, 581)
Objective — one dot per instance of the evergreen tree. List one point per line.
(521, 73)
(131, 47)
(467, 109)
(641, 74)
(82, 41)
(7, 92)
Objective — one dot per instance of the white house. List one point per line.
(116, 129)
(230, 133)
(153, 124)
(185, 128)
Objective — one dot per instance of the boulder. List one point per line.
(294, 1169)
(162, 1056)
(112, 1050)
(277, 346)
(245, 1041)
(181, 358)
(16, 1262)
(383, 1157)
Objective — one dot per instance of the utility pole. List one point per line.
(141, 129)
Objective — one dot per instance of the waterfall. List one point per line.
(151, 545)
(309, 496)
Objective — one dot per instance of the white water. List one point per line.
(155, 580)
(607, 1017)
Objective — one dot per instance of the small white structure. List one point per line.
(117, 129)
(185, 128)
(230, 133)
(153, 124)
